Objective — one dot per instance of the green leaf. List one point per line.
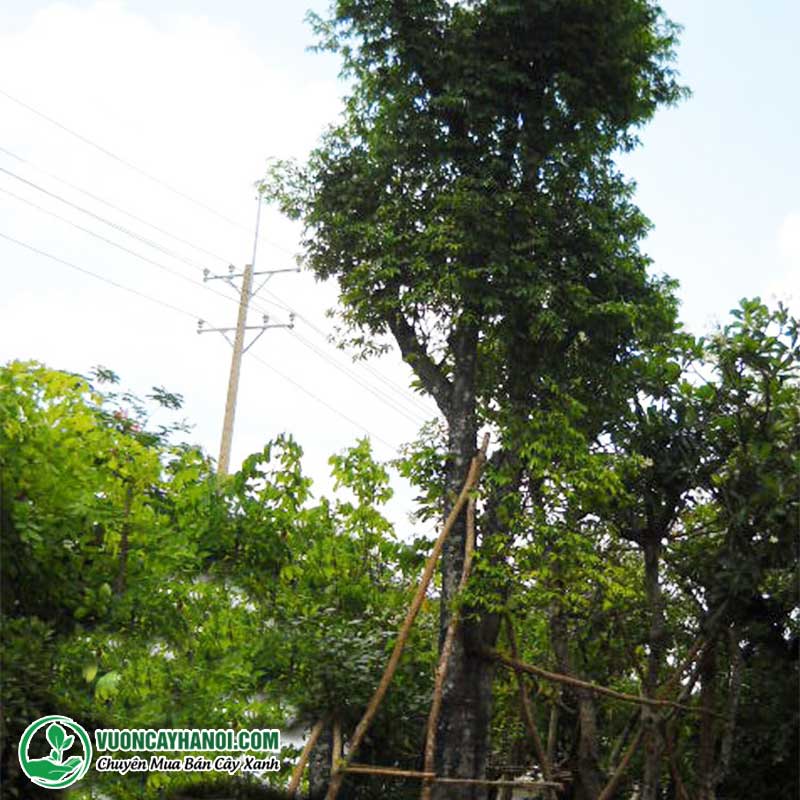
(107, 686)
(56, 735)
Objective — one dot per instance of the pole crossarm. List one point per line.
(202, 328)
(246, 293)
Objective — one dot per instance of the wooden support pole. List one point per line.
(502, 783)
(392, 772)
(527, 708)
(444, 658)
(687, 662)
(706, 637)
(375, 702)
(297, 773)
(556, 677)
(613, 784)
(389, 772)
(680, 788)
(336, 750)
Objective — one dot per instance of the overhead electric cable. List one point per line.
(113, 206)
(98, 277)
(164, 267)
(130, 165)
(388, 401)
(394, 448)
(121, 228)
(191, 315)
(402, 391)
(382, 396)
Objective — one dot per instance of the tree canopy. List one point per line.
(630, 624)
(656, 560)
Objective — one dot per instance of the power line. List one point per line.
(407, 405)
(102, 278)
(191, 315)
(121, 228)
(402, 391)
(119, 246)
(111, 205)
(130, 165)
(394, 448)
(382, 396)
(375, 392)
(124, 162)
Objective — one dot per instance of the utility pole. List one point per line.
(236, 365)
(246, 293)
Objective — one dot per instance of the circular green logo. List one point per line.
(60, 735)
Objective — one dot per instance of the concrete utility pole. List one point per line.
(246, 293)
(236, 366)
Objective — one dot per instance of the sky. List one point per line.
(177, 106)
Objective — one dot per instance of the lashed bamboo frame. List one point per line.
(342, 766)
(473, 475)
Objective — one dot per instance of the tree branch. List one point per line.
(514, 664)
(417, 357)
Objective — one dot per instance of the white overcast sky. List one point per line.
(200, 94)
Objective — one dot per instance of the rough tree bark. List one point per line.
(464, 724)
(653, 739)
(319, 764)
(708, 698)
(588, 777)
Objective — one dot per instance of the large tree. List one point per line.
(468, 205)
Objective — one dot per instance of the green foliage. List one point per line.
(140, 590)
(469, 192)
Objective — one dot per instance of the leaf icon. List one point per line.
(56, 735)
(67, 743)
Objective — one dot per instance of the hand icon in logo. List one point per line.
(58, 770)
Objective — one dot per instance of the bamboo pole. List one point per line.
(527, 710)
(336, 750)
(374, 704)
(444, 658)
(502, 783)
(390, 772)
(297, 773)
(556, 677)
(613, 784)
(708, 634)
(680, 788)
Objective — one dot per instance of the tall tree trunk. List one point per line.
(464, 724)
(588, 778)
(463, 732)
(653, 739)
(736, 660)
(319, 764)
(708, 696)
